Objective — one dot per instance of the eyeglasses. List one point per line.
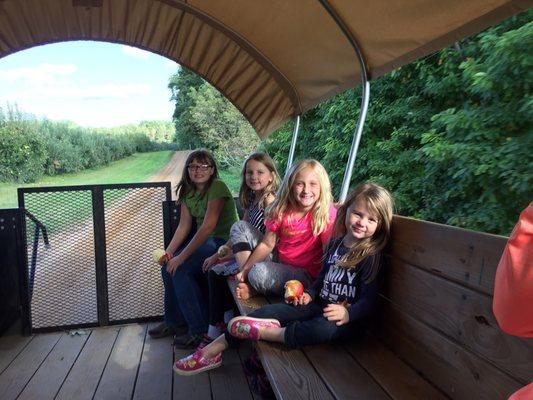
(200, 167)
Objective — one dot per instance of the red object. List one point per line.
(293, 290)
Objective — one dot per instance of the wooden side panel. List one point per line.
(463, 314)
(397, 379)
(82, 381)
(464, 256)
(456, 371)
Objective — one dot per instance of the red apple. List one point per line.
(293, 290)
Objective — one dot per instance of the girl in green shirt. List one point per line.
(207, 199)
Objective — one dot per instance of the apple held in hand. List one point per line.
(293, 290)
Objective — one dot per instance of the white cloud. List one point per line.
(135, 52)
(41, 74)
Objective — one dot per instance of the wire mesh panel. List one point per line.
(133, 230)
(61, 275)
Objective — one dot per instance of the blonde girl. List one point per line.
(298, 224)
(342, 297)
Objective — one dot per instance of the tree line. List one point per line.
(449, 135)
(31, 147)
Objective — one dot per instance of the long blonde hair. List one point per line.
(379, 202)
(270, 189)
(285, 201)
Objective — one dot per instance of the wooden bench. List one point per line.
(435, 338)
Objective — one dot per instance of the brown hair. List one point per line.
(186, 185)
(379, 202)
(245, 192)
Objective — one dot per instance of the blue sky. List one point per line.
(91, 83)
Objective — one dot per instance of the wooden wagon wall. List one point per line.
(437, 311)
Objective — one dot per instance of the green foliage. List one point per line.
(204, 118)
(449, 135)
(30, 148)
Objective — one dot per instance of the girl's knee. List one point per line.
(258, 274)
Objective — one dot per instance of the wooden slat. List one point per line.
(393, 375)
(290, 373)
(82, 381)
(345, 378)
(457, 372)
(190, 387)
(461, 313)
(465, 256)
(48, 379)
(16, 376)
(118, 379)
(154, 380)
(10, 347)
(245, 351)
(228, 382)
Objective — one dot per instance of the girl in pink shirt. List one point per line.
(298, 224)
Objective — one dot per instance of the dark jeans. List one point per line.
(186, 292)
(304, 325)
(220, 297)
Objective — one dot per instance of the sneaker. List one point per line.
(205, 341)
(248, 327)
(196, 363)
(187, 341)
(162, 330)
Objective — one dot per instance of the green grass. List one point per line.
(136, 168)
(232, 178)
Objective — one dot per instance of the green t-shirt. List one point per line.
(198, 206)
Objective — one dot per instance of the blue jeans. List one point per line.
(186, 292)
(304, 325)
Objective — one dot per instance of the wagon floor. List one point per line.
(118, 362)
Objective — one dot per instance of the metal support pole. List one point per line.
(293, 142)
(364, 100)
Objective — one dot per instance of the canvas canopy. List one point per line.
(273, 59)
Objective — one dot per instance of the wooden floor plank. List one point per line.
(82, 381)
(290, 373)
(118, 379)
(190, 387)
(10, 347)
(16, 376)
(154, 380)
(345, 378)
(245, 351)
(399, 380)
(49, 377)
(228, 381)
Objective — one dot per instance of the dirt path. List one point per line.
(65, 288)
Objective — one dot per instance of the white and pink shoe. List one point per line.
(248, 328)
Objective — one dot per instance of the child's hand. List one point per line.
(242, 276)
(337, 313)
(303, 300)
(209, 262)
(164, 259)
(173, 265)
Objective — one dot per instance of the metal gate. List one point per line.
(89, 251)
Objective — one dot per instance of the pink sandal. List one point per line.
(248, 327)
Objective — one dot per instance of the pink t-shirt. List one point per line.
(296, 244)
